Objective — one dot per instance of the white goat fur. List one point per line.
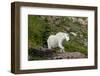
(56, 40)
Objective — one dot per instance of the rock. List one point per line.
(69, 55)
(51, 54)
(43, 52)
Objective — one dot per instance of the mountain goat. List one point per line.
(56, 40)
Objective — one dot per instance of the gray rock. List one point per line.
(69, 55)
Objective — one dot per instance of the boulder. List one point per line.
(69, 55)
(43, 52)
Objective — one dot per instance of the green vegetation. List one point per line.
(41, 27)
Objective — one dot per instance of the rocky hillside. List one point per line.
(41, 27)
